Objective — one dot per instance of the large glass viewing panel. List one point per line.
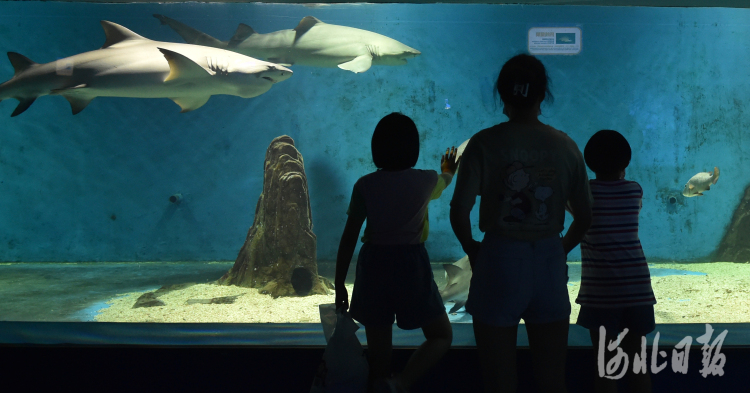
(117, 202)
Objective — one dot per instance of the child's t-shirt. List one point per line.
(395, 204)
(525, 175)
(614, 272)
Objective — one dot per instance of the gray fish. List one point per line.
(311, 43)
(700, 182)
(458, 279)
(129, 65)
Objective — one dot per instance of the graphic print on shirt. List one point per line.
(524, 198)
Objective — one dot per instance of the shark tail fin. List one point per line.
(20, 62)
(23, 104)
(189, 34)
(457, 306)
(241, 34)
(716, 175)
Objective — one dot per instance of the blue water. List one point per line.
(575, 276)
(95, 186)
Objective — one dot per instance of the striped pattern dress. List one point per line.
(614, 272)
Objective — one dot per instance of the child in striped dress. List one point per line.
(615, 291)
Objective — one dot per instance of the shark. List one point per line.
(129, 65)
(458, 280)
(312, 43)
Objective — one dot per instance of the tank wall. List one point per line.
(95, 186)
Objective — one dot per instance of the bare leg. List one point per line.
(549, 346)
(379, 350)
(496, 347)
(438, 335)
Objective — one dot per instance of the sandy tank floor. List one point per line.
(721, 295)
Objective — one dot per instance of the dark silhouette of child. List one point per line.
(394, 279)
(616, 291)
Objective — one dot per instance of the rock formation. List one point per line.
(735, 246)
(279, 254)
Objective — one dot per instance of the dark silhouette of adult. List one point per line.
(527, 173)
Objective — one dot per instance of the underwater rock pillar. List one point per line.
(279, 253)
(735, 246)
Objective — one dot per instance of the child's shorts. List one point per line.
(638, 319)
(395, 280)
(516, 280)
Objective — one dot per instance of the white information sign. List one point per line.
(554, 40)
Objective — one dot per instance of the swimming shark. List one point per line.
(128, 65)
(311, 43)
(458, 279)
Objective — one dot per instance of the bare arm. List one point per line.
(461, 224)
(581, 223)
(344, 257)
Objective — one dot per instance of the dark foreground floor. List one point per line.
(264, 369)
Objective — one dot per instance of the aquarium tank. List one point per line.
(186, 162)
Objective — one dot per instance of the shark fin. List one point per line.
(241, 34)
(117, 34)
(451, 271)
(190, 103)
(20, 62)
(68, 89)
(358, 64)
(23, 104)
(77, 104)
(280, 61)
(716, 175)
(189, 34)
(304, 25)
(182, 67)
(457, 306)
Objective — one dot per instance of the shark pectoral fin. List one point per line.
(23, 104)
(190, 103)
(457, 306)
(280, 61)
(20, 62)
(451, 271)
(182, 67)
(241, 34)
(358, 64)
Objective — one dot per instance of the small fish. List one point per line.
(700, 182)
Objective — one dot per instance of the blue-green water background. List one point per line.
(95, 186)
